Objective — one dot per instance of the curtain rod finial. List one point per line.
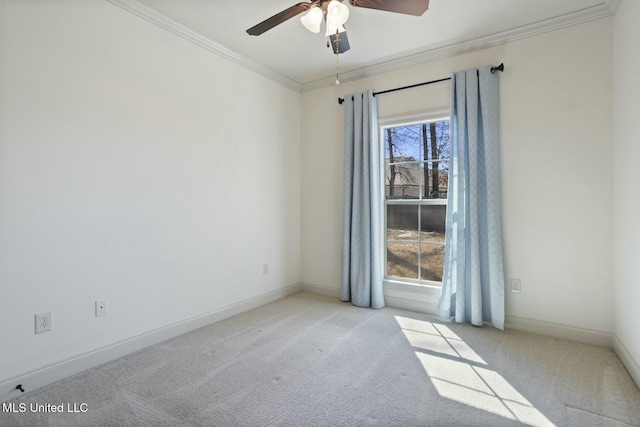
(498, 68)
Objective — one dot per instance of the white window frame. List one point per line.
(404, 287)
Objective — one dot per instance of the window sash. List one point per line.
(420, 243)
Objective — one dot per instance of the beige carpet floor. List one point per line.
(309, 360)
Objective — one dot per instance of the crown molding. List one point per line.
(456, 47)
(613, 5)
(198, 39)
(459, 47)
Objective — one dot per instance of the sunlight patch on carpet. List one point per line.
(460, 374)
(438, 338)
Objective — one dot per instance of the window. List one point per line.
(416, 183)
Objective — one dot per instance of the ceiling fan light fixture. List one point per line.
(337, 10)
(313, 19)
(337, 15)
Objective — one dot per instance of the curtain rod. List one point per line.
(493, 70)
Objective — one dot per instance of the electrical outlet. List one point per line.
(101, 308)
(43, 322)
(265, 269)
(516, 285)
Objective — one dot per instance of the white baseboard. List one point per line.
(424, 299)
(556, 330)
(627, 360)
(327, 291)
(64, 368)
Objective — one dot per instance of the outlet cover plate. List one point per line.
(43, 322)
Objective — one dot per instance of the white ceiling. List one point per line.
(379, 40)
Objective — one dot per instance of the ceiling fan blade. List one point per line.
(279, 18)
(343, 44)
(408, 7)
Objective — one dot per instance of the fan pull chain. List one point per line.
(337, 57)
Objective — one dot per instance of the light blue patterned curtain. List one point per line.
(473, 282)
(362, 265)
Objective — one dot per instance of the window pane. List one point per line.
(402, 222)
(433, 219)
(402, 241)
(403, 181)
(443, 177)
(392, 148)
(437, 140)
(402, 259)
(432, 262)
(402, 144)
(437, 179)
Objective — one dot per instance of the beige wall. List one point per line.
(556, 138)
(132, 165)
(626, 182)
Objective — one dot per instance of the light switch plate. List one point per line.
(101, 308)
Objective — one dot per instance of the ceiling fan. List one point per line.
(335, 14)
